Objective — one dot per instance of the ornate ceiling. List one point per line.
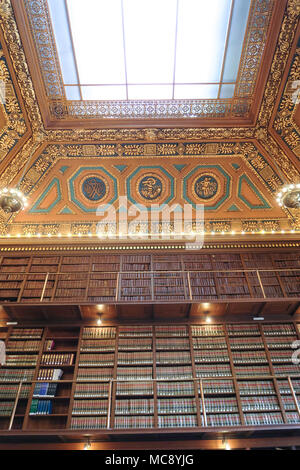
(232, 164)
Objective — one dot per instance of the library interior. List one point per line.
(149, 226)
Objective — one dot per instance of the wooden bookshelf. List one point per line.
(153, 377)
(179, 277)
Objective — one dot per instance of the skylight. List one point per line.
(149, 49)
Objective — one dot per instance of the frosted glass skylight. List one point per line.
(149, 49)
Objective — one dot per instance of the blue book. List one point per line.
(45, 388)
(37, 388)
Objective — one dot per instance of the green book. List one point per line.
(33, 407)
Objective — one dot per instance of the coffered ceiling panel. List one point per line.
(231, 153)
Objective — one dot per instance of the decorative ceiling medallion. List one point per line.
(150, 187)
(93, 188)
(90, 186)
(206, 187)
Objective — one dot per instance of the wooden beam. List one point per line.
(208, 444)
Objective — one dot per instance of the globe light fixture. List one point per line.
(289, 196)
(12, 200)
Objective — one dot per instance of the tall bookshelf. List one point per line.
(134, 390)
(51, 393)
(23, 348)
(89, 407)
(155, 377)
(178, 277)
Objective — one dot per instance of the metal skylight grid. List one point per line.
(148, 49)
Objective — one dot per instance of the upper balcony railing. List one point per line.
(149, 286)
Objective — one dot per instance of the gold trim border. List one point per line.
(206, 246)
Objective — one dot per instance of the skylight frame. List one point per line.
(59, 111)
(177, 86)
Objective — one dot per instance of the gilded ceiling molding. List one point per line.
(18, 163)
(284, 123)
(284, 44)
(14, 126)
(280, 159)
(154, 135)
(176, 247)
(149, 134)
(14, 46)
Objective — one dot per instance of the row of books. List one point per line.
(175, 389)
(171, 330)
(209, 343)
(50, 374)
(104, 332)
(257, 387)
(45, 389)
(293, 418)
(280, 370)
(93, 359)
(175, 372)
(21, 360)
(127, 422)
(259, 419)
(94, 374)
(250, 357)
(230, 419)
(90, 407)
(136, 373)
(243, 330)
(24, 333)
(219, 405)
(172, 343)
(10, 391)
(177, 406)
(217, 387)
(213, 370)
(16, 375)
(289, 402)
(279, 329)
(134, 406)
(40, 407)
(91, 390)
(102, 268)
(88, 423)
(207, 330)
(180, 421)
(278, 342)
(282, 356)
(105, 345)
(6, 408)
(211, 356)
(196, 278)
(246, 343)
(23, 346)
(137, 344)
(135, 291)
(260, 403)
(134, 389)
(57, 359)
(285, 388)
(134, 358)
(204, 291)
(178, 357)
